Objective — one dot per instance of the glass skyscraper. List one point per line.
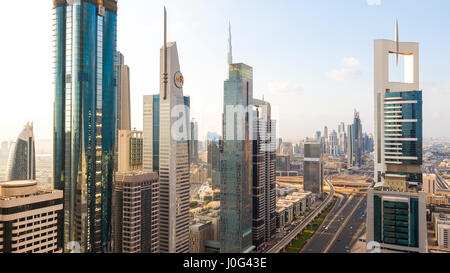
(354, 139)
(85, 117)
(313, 167)
(22, 159)
(236, 162)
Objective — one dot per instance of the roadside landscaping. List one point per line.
(298, 243)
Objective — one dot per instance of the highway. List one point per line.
(340, 221)
(441, 182)
(284, 242)
(349, 233)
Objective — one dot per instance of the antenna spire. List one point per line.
(165, 75)
(397, 42)
(230, 47)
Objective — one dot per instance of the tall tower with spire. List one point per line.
(396, 210)
(166, 149)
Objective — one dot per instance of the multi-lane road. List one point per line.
(287, 238)
(337, 232)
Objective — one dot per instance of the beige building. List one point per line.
(29, 218)
(130, 153)
(441, 224)
(429, 183)
(204, 228)
(135, 213)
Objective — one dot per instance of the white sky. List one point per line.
(313, 72)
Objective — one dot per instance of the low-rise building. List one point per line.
(441, 223)
(30, 218)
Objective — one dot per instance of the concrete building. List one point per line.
(200, 233)
(29, 218)
(166, 151)
(333, 144)
(135, 221)
(123, 94)
(313, 167)
(123, 106)
(130, 150)
(441, 222)
(263, 193)
(22, 159)
(430, 183)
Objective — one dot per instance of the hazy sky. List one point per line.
(313, 60)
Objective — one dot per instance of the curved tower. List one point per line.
(21, 162)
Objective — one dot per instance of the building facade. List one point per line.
(213, 148)
(354, 142)
(396, 206)
(397, 220)
(264, 186)
(135, 223)
(193, 143)
(313, 167)
(166, 149)
(236, 162)
(29, 218)
(85, 118)
(130, 150)
(22, 159)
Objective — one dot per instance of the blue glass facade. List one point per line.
(85, 118)
(403, 133)
(236, 164)
(396, 222)
(411, 111)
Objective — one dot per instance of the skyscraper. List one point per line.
(123, 94)
(342, 139)
(213, 147)
(193, 143)
(333, 143)
(136, 213)
(166, 149)
(236, 162)
(85, 117)
(313, 166)
(22, 159)
(264, 159)
(123, 120)
(354, 142)
(396, 212)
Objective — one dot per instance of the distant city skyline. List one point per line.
(313, 72)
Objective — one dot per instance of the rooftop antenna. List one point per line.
(165, 74)
(397, 42)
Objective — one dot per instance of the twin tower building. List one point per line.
(147, 210)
